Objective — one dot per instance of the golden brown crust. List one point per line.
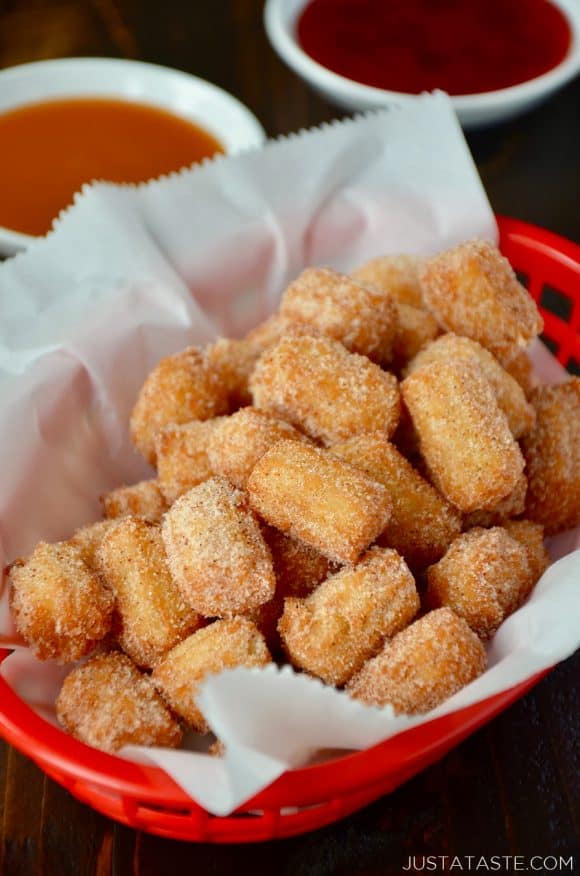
(365, 321)
(223, 644)
(552, 453)
(430, 660)
(470, 452)
(299, 568)
(182, 456)
(108, 703)
(60, 607)
(88, 540)
(473, 291)
(152, 616)
(216, 552)
(484, 576)
(416, 328)
(331, 394)
(181, 388)
(344, 621)
(422, 524)
(144, 499)
(521, 369)
(513, 505)
(234, 361)
(531, 536)
(396, 274)
(239, 441)
(317, 498)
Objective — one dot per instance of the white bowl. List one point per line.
(187, 96)
(473, 110)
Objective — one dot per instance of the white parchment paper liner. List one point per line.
(130, 275)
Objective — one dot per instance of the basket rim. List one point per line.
(47, 744)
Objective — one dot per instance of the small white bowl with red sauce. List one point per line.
(496, 58)
(66, 122)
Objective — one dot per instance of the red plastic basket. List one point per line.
(302, 800)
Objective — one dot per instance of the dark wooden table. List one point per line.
(511, 789)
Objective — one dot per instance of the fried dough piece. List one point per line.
(513, 505)
(521, 369)
(552, 453)
(421, 666)
(508, 393)
(471, 454)
(331, 394)
(299, 568)
(216, 552)
(363, 320)
(333, 631)
(531, 536)
(88, 540)
(144, 499)
(183, 456)
(152, 614)
(59, 606)
(422, 524)
(223, 644)
(416, 328)
(473, 291)
(484, 576)
(234, 360)
(312, 495)
(181, 388)
(396, 274)
(239, 441)
(108, 703)
(267, 333)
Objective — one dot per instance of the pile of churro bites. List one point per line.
(360, 487)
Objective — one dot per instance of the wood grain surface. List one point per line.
(513, 787)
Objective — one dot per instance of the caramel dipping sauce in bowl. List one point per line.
(66, 122)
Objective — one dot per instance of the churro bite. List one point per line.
(344, 621)
(531, 536)
(234, 361)
(397, 275)
(521, 369)
(239, 441)
(552, 453)
(181, 388)
(59, 606)
(183, 456)
(422, 524)
(152, 616)
(216, 551)
(299, 568)
(473, 291)
(513, 505)
(144, 499)
(416, 328)
(465, 440)
(484, 576)
(317, 498)
(508, 393)
(108, 703)
(432, 659)
(88, 540)
(223, 644)
(365, 321)
(329, 393)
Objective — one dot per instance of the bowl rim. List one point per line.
(12, 240)
(289, 49)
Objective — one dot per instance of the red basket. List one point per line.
(305, 799)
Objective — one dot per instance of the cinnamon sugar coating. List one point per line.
(364, 320)
(59, 606)
(224, 644)
(181, 388)
(531, 536)
(144, 499)
(421, 666)
(239, 441)
(521, 369)
(152, 615)
(552, 453)
(234, 361)
(317, 498)
(472, 290)
(329, 393)
(513, 505)
(216, 552)
(108, 703)
(484, 576)
(470, 452)
(422, 524)
(183, 456)
(416, 328)
(508, 393)
(344, 621)
(398, 275)
(88, 540)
